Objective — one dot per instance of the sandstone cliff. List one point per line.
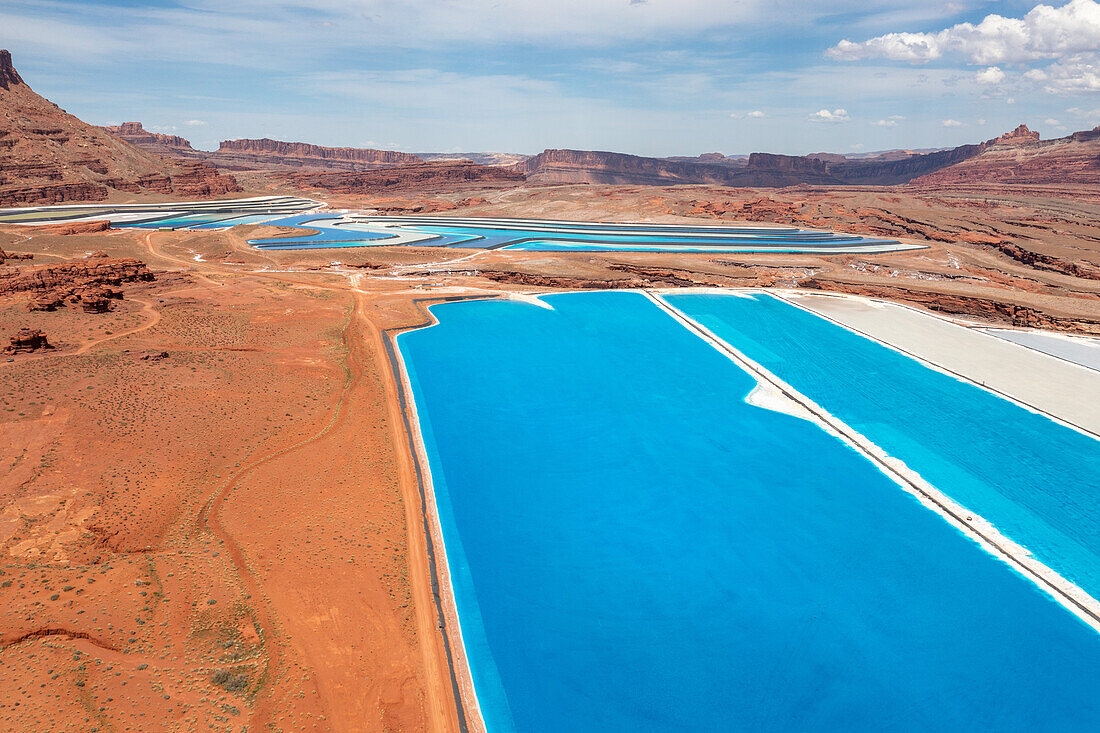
(69, 277)
(1016, 156)
(267, 153)
(48, 156)
(893, 171)
(419, 177)
(155, 142)
(1021, 157)
(591, 166)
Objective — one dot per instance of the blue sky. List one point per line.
(650, 77)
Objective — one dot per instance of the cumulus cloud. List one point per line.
(1072, 76)
(836, 115)
(992, 75)
(951, 123)
(1044, 32)
(1085, 113)
(196, 123)
(885, 123)
(754, 114)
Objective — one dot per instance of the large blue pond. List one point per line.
(633, 547)
(1036, 480)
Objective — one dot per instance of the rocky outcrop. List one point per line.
(494, 159)
(423, 176)
(8, 75)
(53, 193)
(4, 256)
(988, 309)
(155, 142)
(73, 277)
(202, 180)
(997, 159)
(48, 156)
(267, 153)
(552, 281)
(1018, 136)
(594, 166)
(66, 229)
(26, 341)
(1020, 157)
(890, 172)
(807, 167)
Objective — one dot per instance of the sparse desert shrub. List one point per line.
(231, 681)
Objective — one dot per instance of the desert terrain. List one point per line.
(210, 516)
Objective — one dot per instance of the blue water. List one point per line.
(542, 245)
(324, 238)
(596, 237)
(1036, 480)
(635, 548)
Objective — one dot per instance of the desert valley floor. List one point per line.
(212, 514)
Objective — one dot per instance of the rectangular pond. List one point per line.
(1034, 479)
(633, 547)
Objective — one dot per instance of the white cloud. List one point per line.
(886, 123)
(756, 114)
(992, 75)
(1089, 114)
(196, 123)
(1043, 33)
(951, 123)
(836, 115)
(1073, 76)
(1052, 122)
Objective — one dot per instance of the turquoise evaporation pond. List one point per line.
(325, 237)
(1037, 481)
(579, 238)
(633, 547)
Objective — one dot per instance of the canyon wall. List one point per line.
(419, 177)
(1021, 157)
(592, 166)
(267, 153)
(48, 156)
(1016, 156)
(155, 142)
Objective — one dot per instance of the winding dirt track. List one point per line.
(147, 307)
(359, 335)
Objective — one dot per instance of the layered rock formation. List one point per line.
(1070, 160)
(155, 142)
(48, 156)
(495, 159)
(69, 228)
(1020, 135)
(591, 166)
(27, 340)
(267, 153)
(423, 176)
(73, 279)
(8, 74)
(1020, 157)
(891, 171)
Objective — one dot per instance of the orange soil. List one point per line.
(255, 486)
